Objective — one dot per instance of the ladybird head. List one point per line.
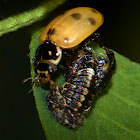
(48, 55)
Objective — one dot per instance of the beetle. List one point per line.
(66, 31)
(71, 28)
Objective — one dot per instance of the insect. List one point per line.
(46, 58)
(71, 28)
(64, 32)
(86, 74)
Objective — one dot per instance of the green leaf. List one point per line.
(24, 19)
(115, 112)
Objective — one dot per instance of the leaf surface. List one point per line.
(115, 111)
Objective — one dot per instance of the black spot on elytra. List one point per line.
(93, 10)
(66, 39)
(51, 32)
(76, 16)
(92, 21)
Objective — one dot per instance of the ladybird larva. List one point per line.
(85, 74)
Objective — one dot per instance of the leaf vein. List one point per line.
(129, 102)
(118, 124)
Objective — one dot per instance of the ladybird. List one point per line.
(86, 74)
(64, 32)
(71, 28)
(45, 61)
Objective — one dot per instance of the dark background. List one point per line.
(18, 114)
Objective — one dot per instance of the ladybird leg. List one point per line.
(36, 80)
(25, 80)
(52, 85)
(30, 78)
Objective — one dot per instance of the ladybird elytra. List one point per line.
(71, 28)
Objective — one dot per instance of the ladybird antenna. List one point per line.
(30, 90)
(25, 80)
(30, 78)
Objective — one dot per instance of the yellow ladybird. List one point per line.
(64, 32)
(71, 28)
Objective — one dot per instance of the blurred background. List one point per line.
(18, 114)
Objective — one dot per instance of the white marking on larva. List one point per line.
(79, 104)
(73, 86)
(68, 100)
(92, 61)
(85, 91)
(80, 71)
(66, 121)
(90, 73)
(82, 98)
(86, 110)
(72, 92)
(75, 109)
